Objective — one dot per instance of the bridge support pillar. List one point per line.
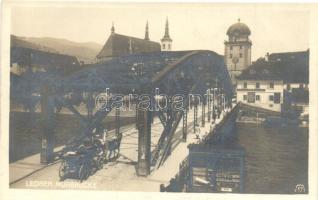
(185, 125)
(117, 118)
(209, 106)
(90, 106)
(203, 114)
(48, 124)
(144, 142)
(195, 119)
(136, 115)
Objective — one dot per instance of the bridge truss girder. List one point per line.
(194, 72)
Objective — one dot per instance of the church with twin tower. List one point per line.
(237, 53)
(122, 45)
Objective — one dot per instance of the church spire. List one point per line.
(166, 41)
(167, 36)
(147, 32)
(113, 28)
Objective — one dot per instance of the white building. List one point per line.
(278, 82)
(267, 94)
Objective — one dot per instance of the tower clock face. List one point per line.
(235, 60)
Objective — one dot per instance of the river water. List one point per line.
(25, 132)
(276, 158)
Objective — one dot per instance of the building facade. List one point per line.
(278, 82)
(237, 53)
(267, 94)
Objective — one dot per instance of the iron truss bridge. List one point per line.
(171, 73)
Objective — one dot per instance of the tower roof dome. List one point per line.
(238, 29)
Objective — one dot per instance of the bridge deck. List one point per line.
(118, 175)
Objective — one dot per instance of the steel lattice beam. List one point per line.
(172, 72)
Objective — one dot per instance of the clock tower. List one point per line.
(237, 54)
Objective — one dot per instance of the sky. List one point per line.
(274, 28)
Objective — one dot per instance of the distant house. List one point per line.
(264, 92)
(273, 81)
(121, 45)
(27, 59)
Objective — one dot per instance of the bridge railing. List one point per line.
(179, 182)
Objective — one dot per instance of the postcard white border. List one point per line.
(6, 193)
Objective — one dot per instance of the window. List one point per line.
(169, 46)
(271, 85)
(231, 47)
(245, 85)
(271, 97)
(257, 85)
(163, 46)
(231, 55)
(251, 97)
(244, 97)
(277, 97)
(288, 86)
(241, 55)
(240, 46)
(258, 98)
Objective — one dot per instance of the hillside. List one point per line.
(82, 51)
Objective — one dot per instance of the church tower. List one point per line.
(166, 41)
(237, 55)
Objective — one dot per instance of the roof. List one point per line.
(238, 29)
(121, 45)
(301, 56)
(33, 57)
(291, 67)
